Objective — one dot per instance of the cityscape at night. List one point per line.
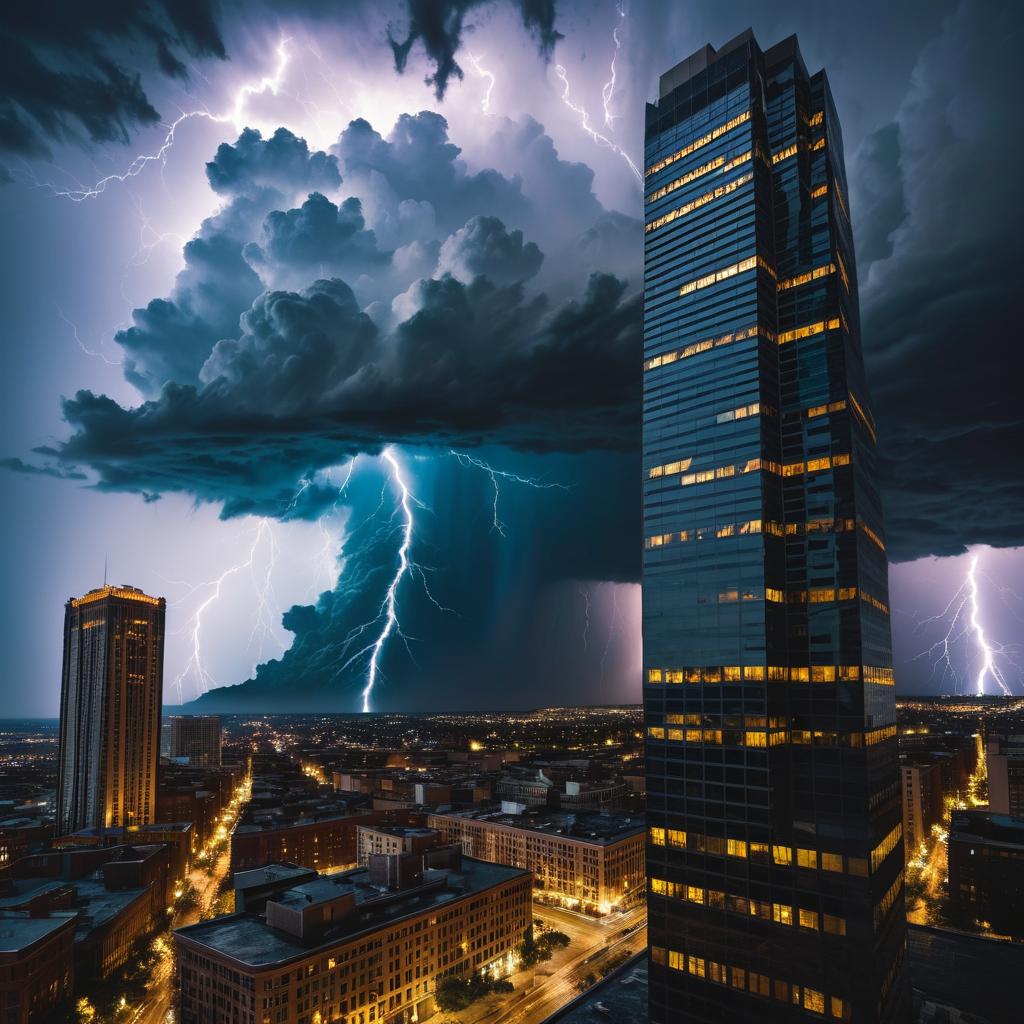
(514, 513)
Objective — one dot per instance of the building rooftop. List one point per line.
(248, 938)
(599, 829)
(17, 932)
(401, 831)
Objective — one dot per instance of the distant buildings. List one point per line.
(194, 739)
(393, 840)
(774, 866)
(921, 786)
(593, 862)
(1005, 757)
(349, 947)
(111, 695)
(291, 818)
(986, 869)
(543, 788)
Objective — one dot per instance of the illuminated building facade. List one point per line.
(592, 862)
(111, 695)
(345, 947)
(774, 864)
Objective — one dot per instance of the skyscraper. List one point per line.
(774, 857)
(111, 696)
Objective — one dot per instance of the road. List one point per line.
(592, 944)
(158, 1007)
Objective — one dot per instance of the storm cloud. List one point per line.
(939, 190)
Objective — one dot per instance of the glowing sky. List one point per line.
(520, 588)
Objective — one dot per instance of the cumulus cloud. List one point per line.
(419, 162)
(485, 246)
(940, 320)
(311, 381)
(170, 338)
(317, 238)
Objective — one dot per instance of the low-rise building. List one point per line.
(986, 869)
(393, 839)
(349, 947)
(591, 862)
(36, 965)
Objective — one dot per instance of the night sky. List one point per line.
(362, 334)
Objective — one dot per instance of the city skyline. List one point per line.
(521, 568)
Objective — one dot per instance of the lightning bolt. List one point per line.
(94, 353)
(195, 665)
(611, 628)
(585, 594)
(326, 558)
(485, 103)
(498, 474)
(606, 94)
(390, 604)
(962, 616)
(988, 663)
(609, 87)
(235, 116)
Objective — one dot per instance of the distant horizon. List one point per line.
(166, 708)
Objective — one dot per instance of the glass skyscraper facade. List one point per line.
(774, 855)
(110, 703)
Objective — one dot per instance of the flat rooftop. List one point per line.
(599, 829)
(400, 831)
(17, 933)
(248, 939)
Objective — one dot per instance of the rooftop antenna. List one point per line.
(104, 569)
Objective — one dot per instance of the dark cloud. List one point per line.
(418, 162)
(171, 338)
(486, 247)
(63, 73)
(941, 327)
(311, 381)
(513, 627)
(318, 237)
(283, 162)
(16, 465)
(439, 24)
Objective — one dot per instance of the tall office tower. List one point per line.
(774, 857)
(195, 737)
(111, 695)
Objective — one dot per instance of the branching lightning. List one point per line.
(233, 116)
(94, 353)
(498, 474)
(607, 93)
(988, 664)
(194, 624)
(585, 594)
(389, 608)
(612, 627)
(485, 103)
(609, 87)
(601, 140)
(963, 619)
